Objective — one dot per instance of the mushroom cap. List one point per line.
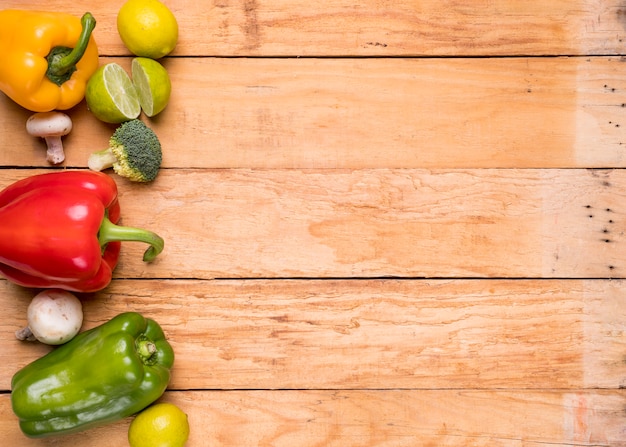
(55, 316)
(49, 124)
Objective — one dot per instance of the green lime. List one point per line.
(111, 95)
(160, 425)
(147, 28)
(152, 83)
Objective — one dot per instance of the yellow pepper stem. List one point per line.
(62, 60)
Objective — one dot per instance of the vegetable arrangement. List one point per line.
(102, 375)
(60, 231)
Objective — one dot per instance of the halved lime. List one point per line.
(152, 83)
(111, 95)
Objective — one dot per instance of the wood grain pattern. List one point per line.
(367, 113)
(377, 223)
(375, 27)
(456, 418)
(387, 223)
(389, 334)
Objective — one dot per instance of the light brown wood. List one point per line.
(459, 418)
(379, 334)
(373, 223)
(387, 223)
(375, 27)
(367, 113)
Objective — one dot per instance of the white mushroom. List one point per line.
(54, 317)
(50, 126)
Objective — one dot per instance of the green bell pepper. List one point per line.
(100, 376)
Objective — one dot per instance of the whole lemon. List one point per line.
(147, 28)
(160, 425)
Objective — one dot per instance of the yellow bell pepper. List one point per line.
(46, 58)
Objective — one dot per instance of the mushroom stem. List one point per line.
(25, 334)
(55, 154)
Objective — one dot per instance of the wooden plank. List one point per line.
(402, 418)
(342, 113)
(309, 147)
(374, 27)
(376, 223)
(380, 334)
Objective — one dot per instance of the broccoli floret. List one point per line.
(134, 152)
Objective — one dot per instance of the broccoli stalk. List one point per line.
(134, 152)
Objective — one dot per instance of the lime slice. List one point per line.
(111, 95)
(152, 83)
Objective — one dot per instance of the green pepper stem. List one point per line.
(145, 348)
(109, 232)
(60, 62)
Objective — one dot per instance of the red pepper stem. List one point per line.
(109, 232)
(59, 66)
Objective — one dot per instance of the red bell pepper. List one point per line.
(58, 230)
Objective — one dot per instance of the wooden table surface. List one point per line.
(387, 223)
